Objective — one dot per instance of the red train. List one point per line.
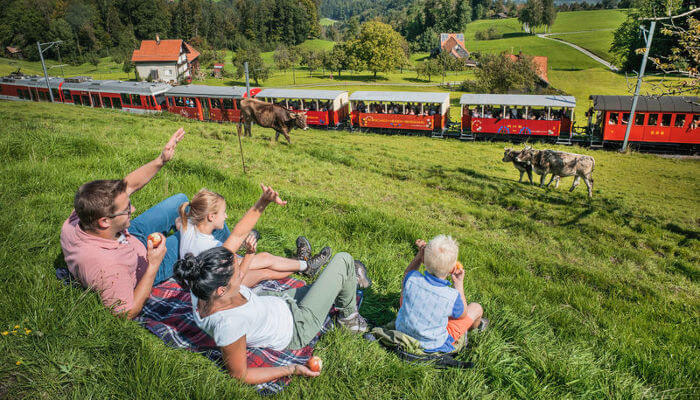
(510, 115)
(207, 103)
(322, 107)
(400, 111)
(667, 120)
(664, 121)
(139, 97)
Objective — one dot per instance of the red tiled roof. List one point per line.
(540, 64)
(453, 46)
(166, 50)
(192, 53)
(13, 49)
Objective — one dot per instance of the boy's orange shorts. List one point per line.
(459, 326)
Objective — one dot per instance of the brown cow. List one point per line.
(270, 116)
(509, 155)
(559, 163)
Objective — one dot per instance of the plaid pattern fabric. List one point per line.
(168, 315)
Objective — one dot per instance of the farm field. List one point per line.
(587, 299)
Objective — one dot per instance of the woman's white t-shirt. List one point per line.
(193, 241)
(266, 321)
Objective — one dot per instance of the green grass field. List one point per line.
(327, 21)
(587, 299)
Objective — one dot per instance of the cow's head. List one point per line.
(299, 120)
(509, 154)
(525, 154)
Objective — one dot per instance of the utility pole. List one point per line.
(639, 81)
(43, 64)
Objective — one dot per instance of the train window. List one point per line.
(116, 103)
(76, 100)
(56, 97)
(653, 119)
(228, 104)
(238, 103)
(107, 102)
(96, 100)
(136, 100)
(66, 95)
(639, 118)
(696, 121)
(613, 119)
(190, 102)
(625, 118)
(160, 99)
(215, 103)
(680, 120)
(666, 120)
(125, 99)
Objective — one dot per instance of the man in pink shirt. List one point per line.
(106, 257)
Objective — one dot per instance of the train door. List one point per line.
(206, 113)
(96, 100)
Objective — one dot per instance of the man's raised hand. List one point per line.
(269, 195)
(169, 149)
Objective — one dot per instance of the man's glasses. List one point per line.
(125, 212)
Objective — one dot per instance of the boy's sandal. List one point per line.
(483, 325)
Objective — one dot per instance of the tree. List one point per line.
(531, 15)
(338, 58)
(256, 66)
(311, 59)
(428, 68)
(684, 58)
(281, 58)
(549, 13)
(500, 74)
(379, 47)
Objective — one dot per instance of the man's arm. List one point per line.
(251, 217)
(145, 285)
(142, 175)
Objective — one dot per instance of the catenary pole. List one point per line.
(639, 84)
(46, 74)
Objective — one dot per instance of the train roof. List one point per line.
(232, 92)
(416, 97)
(683, 104)
(519, 100)
(32, 81)
(300, 94)
(144, 88)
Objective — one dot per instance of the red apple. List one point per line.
(315, 364)
(155, 238)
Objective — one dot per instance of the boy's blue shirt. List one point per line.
(437, 289)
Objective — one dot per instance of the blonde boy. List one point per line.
(432, 311)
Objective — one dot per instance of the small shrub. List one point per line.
(488, 34)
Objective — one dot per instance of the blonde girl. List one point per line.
(203, 226)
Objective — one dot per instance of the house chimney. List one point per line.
(157, 39)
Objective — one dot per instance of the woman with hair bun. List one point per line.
(235, 317)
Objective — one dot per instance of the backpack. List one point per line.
(408, 348)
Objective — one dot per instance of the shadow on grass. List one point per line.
(417, 80)
(688, 234)
(514, 35)
(376, 307)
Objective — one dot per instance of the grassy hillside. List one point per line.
(587, 299)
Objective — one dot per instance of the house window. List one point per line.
(168, 72)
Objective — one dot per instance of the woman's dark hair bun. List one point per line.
(206, 272)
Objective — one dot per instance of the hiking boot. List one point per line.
(363, 281)
(315, 263)
(482, 325)
(303, 248)
(354, 322)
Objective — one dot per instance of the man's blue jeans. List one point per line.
(161, 218)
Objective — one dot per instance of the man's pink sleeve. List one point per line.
(115, 286)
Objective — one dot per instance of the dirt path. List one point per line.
(579, 48)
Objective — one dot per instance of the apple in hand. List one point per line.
(315, 364)
(155, 238)
(458, 267)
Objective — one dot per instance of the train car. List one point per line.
(664, 121)
(516, 115)
(322, 107)
(137, 97)
(30, 88)
(207, 103)
(403, 111)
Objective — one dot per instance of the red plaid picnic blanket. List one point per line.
(168, 315)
